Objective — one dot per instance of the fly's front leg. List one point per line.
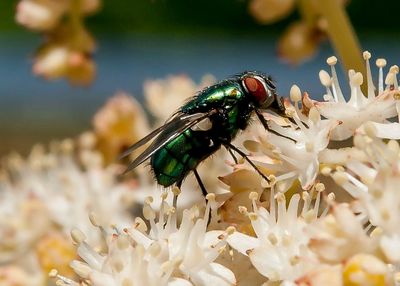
(244, 155)
(233, 155)
(266, 126)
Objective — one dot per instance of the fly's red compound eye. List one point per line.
(256, 87)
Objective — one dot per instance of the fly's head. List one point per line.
(261, 89)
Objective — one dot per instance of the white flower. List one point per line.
(279, 251)
(164, 96)
(297, 155)
(166, 254)
(40, 14)
(375, 184)
(45, 15)
(359, 108)
(54, 192)
(340, 235)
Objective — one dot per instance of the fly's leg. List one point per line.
(241, 153)
(203, 189)
(233, 155)
(266, 126)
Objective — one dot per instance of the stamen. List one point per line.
(295, 93)
(381, 63)
(337, 92)
(371, 87)
(78, 236)
(326, 81)
(395, 70)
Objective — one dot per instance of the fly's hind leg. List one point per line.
(241, 153)
(202, 187)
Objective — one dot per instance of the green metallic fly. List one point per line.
(204, 124)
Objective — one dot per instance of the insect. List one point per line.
(204, 124)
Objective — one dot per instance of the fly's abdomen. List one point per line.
(175, 160)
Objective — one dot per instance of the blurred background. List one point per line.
(150, 39)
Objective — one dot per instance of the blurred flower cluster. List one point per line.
(68, 47)
(301, 39)
(327, 215)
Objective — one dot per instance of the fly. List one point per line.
(204, 124)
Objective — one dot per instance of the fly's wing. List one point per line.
(164, 134)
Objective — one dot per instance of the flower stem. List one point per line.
(76, 21)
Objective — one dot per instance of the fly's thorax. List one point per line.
(222, 95)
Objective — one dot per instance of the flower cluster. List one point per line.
(46, 195)
(163, 254)
(326, 211)
(301, 39)
(67, 51)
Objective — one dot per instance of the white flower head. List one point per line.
(294, 154)
(359, 108)
(374, 184)
(164, 254)
(340, 235)
(164, 96)
(40, 15)
(280, 249)
(55, 191)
